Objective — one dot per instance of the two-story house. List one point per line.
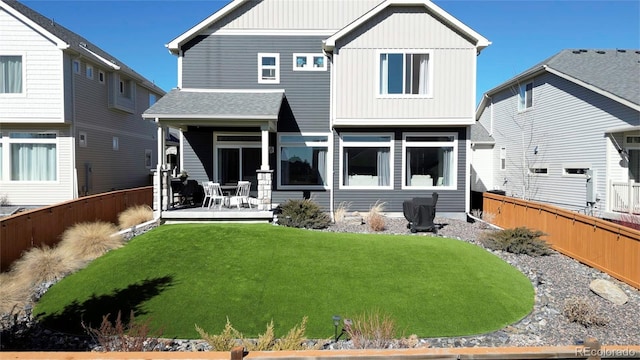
(70, 114)
(339, 101)
(567, 132)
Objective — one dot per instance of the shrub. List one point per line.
(88, 241)
(375, 219)
(374, 330)
(4, 200)
(134, 336)
(294, 340)
(135, 215)
(44, 263)
(303, 213)
(581, 311)
(265, 341)
(14, 293)
(520, 240)
(226, 341)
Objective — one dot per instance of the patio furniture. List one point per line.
(420, 213)
(212, 194)
(242, 194)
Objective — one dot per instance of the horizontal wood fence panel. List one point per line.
(44, 226)
(612, 248)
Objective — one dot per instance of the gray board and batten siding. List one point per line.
(231, 62)
(449, 201)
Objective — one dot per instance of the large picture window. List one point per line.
(366, 160)
(430, 160)
(303, 160)
(33, 156)
(11, 74)
(405, 74)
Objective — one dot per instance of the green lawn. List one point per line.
(182, 275)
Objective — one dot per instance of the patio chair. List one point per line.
(212, 193)
(242, 194)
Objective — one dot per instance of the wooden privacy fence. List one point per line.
(601, 244)
(43, 226)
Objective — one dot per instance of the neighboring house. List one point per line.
(338, 101)
(70, 119)
(567, 132)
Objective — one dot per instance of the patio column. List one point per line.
(265, 147)
(264, 189)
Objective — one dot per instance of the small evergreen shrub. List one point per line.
(227, 340)
(294, 340)
(519, 240)
(303, 213)
(581, 311)
(135, 215)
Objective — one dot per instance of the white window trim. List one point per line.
(78, 69)
(430, 144)
(539, 166)
(329, 146)
(309, 66)
(103, 75)
(217, 144)
(428, 95)
(89, 71)
(82, 143)
(372, 144)
(24, 75)
(276, 67)
(115, 143)
(6, 149)
(522, 89)
(584, 166)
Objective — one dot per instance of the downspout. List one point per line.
(331, 117)
(159, 166)
(74, 187)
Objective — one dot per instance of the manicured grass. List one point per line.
(182, 275)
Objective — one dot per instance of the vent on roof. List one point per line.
(637, 51)
(84, 45)
(576, 51)
(583, 50)
(622, 50)
(600, 52)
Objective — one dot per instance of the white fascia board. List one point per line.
(481, 42)
(174, 45)
(168, 117)
(241, 91)
(404, 122)
(595, 89)
(105, 61)
(622, 129)
(60, 44)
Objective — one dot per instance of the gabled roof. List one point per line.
(611, 73)
(480, 135)
(211, 104)
(445, 17)
(67, 40)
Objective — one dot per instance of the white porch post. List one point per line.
(265, 147)
(159, 188)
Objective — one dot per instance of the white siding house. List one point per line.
(567, 132)
(70, 119)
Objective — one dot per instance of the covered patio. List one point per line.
(224, 138)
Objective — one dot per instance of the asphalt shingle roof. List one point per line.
(480, 135)
(232, 104)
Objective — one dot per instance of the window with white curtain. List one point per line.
(525, 97)
(430, 160)
(303, 160)
(366, 161)
(405, 74)
(11, 75)
(33, 156)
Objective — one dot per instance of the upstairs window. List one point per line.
(101, 77)
(89, 72)
(309, 62)
(76, 66)
(405, 74)
(268, 68)
(125, 88)
(525, 98)
(11, 74)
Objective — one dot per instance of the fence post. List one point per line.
(630, 201)
(237, 353)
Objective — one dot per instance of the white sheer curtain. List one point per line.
(322, 165)
(408, 166)
(423, 73)
(33, 162)
(345, 167)
(384, 74)
(447, 163)
(11, 71)
(384, 173)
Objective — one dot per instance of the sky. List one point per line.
(522, 32)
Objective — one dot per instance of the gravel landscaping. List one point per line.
(556, 278)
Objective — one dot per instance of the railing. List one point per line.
(612, 248)
(43, 226)
(625, 197)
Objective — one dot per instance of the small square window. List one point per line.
(82, 139)
(101, 76)
(309, 62)
(268, 68)
(89, 72)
